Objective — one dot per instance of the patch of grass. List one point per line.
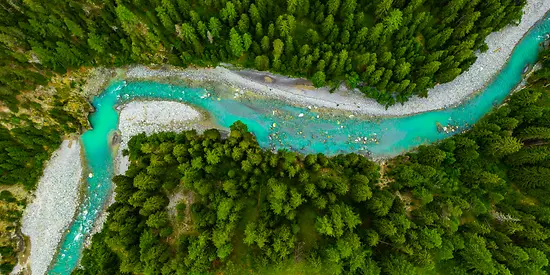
(306, 221)
(241, 251)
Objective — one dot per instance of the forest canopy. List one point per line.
(476, 202)
(390, 49)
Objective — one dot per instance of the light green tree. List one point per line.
(235, 43)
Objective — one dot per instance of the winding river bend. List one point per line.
(277, 125)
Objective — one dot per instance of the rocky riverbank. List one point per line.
(52, 211)
(501, 44)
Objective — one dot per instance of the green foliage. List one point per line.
(259, 182)
(474, 203)
(11, 211)
(482, 194)
(318, 79)
(99, 259)
(431, 42)
(23, 153)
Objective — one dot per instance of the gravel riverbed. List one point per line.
(488, 64)
(53, 208)
(152, 117)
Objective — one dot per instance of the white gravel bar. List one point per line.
(488, 64)
(154, 116)
(51, 212)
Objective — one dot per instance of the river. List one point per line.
(278, 125)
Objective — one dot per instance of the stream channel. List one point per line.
(278, 125)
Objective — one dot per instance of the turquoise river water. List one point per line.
(277, 124)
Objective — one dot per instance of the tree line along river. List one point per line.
(280, 125)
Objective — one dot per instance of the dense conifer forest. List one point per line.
(475, 203)
(390, 49)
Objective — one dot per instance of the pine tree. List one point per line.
(254, 14)
(332, 6)
(535, 132)
(278, 46)
(189, 37)
(214, 26)
(247, 41)
(393, 21)
(328, 25)
(229, 14)
(164, 18)
(531, 177)
(265, 44)
(383, 7)
(243, 23)
(318, 79)
(74, 28)
(504, 146)
(529, 155)
(291, 6)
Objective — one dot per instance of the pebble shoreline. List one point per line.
(488, 64)
(51, 213)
